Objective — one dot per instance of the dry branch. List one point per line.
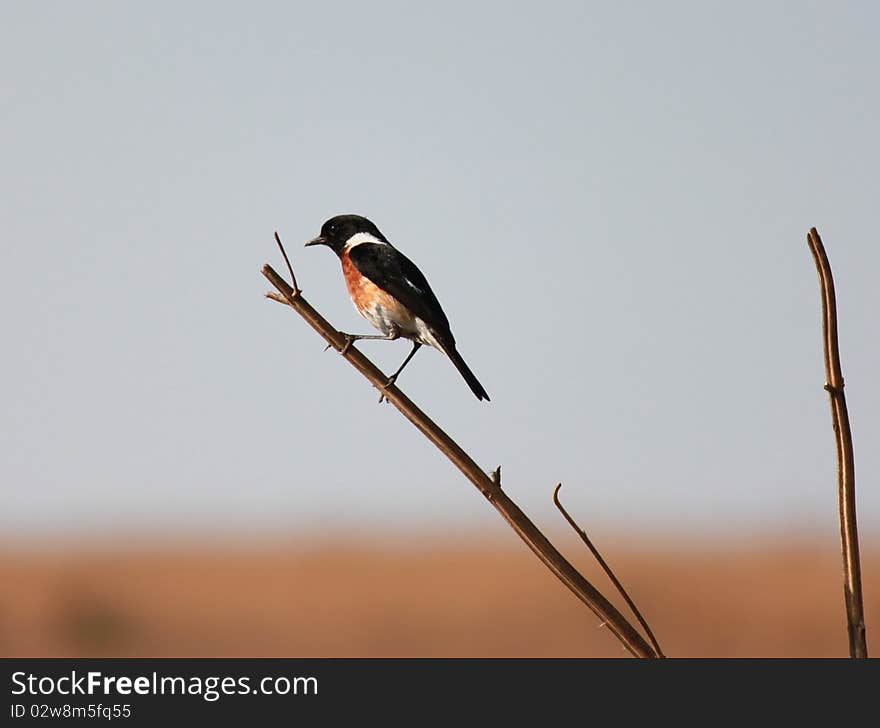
(846, 478)
(607, 569)
(490, 487)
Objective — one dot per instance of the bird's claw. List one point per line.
(382, 397)
(348, 342)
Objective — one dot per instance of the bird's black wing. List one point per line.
(393, 272)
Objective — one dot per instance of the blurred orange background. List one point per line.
(417, 596)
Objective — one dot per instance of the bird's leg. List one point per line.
(393, 378)
(351, 338)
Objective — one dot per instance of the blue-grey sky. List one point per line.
(609, 199)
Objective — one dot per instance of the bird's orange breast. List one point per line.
(368, 297)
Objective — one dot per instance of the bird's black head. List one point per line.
(337, 231)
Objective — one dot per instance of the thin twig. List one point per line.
(518, 521)
(846, 478)
(607, 569)
(277, 297)
(296, 288)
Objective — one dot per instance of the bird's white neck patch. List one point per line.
(359, 238)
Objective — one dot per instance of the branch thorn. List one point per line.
(496, 476)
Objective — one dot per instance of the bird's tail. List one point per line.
(466, 372)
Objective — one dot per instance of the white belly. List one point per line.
(388, 319)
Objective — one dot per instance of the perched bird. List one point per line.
(390, 292)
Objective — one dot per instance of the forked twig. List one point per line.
(607, 569)
(490, 487)
(846, 477)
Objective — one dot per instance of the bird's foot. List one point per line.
(391, 380)
(349, 340)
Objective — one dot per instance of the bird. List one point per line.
(390, 292)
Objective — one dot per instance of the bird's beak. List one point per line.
(317, 241)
